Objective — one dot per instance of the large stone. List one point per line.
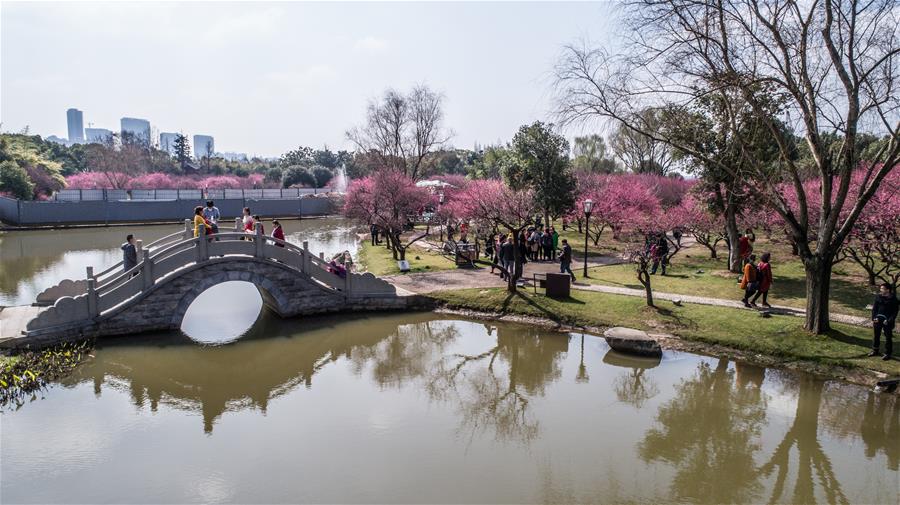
(631, 341)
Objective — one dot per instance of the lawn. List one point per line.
(778, 336)
(379, 261)
(693, 272)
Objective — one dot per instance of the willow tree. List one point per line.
(835, 64)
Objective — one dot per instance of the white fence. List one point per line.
(93, 195)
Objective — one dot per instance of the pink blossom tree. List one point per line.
(390, 200)
(874, 243)
(492, 201)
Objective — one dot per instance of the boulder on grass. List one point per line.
(631, 341)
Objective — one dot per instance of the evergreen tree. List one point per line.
(182, 150)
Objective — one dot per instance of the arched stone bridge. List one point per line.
(173, 271)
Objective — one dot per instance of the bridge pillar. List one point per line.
(93, 310)
(90, 273)
(260, 240)
(188, 231)
(305, 263)
(238, 225)
(147, 270)
(202, 245)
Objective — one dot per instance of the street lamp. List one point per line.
(441, 224)
(588, 205)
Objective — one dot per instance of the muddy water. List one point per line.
(425, 408)
(31, 261)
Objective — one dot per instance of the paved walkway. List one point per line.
(14, 319)
(428, 282)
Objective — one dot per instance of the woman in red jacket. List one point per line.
(277, 232)
(764, 276)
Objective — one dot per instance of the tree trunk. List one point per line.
(511, 273)
(733, 239)
(644, 278)
(818, 287)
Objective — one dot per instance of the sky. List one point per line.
(263, 78)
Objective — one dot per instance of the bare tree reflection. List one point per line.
(493, 389)
(709, 432)
(633, 387)
(880, 431)
(803, 435)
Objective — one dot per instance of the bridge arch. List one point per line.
(273, 296)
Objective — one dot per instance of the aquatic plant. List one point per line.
(32, 371)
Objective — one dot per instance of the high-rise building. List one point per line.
(75, 120)
(167, 142)
(229, 156)
(98, 135)
(136, 129)
(203, 146)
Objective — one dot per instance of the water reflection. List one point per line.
(419, 409)
(709, 432)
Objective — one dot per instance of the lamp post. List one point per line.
(441, 223)
(588, 205)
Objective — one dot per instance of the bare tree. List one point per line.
(643, 154)
(834, 63)
(402, 130)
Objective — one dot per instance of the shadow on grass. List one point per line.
(673, 317)
(545, 312)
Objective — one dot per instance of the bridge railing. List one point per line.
(168, 256)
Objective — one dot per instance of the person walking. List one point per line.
(750, 281)
(764, 277)
(211, 214)
(373, 230)
(884, 315)
(129, 253)
(489, 250)
(565, 259)
(277, 232)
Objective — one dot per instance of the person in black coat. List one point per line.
(884, 315)
(129, 253)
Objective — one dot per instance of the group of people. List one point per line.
(657, 246)
(208, 218)
(533, 245)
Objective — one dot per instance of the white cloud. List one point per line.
(371, 44)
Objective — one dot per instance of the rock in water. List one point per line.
(631, 341)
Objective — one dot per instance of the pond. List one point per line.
(415, 408)
(431, 408)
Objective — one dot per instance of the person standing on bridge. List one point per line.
(199, 221)
(211, 214)
(277, 233)
(249, 224)
(129, 253)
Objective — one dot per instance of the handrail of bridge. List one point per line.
(166, 260)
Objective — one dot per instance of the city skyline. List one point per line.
(283, 75)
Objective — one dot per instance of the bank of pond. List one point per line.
(427, 407)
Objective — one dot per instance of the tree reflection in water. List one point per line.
(633, 387)
(709, 433)
(492, 389)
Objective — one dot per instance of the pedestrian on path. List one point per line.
(750, 281)
(555, 237)
(764, 276)
(129, 253)
(507, 256)
(565, 259)
(659, 252)
(547, 245)
(247, 221)
(884, 315)
(745, 245)
(199, 221)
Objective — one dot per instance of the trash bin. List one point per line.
(558, 285)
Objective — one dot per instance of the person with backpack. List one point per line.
(750, 281)
(764, 277)
(547, 245)
(884, 315)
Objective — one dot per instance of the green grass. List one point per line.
(849, 292)
(779, 336)
(379, 261)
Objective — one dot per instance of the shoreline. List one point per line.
(854, 375)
